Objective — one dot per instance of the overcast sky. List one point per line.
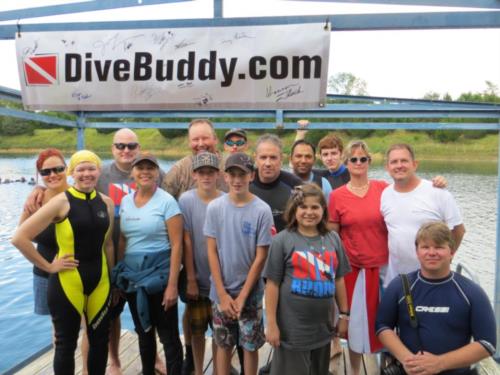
(393, 63)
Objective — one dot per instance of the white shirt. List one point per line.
(404, 214)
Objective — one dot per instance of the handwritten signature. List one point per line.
(67, 43)
(116, 42)
(283, 92)
(80, 96)
(162, 39)
(183, 43)
(30, 50)
(238, 36)
(204, 99)
(185, 85)
(145, 92)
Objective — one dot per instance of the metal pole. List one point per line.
(218, 9)
(496, 296)
(80, 126)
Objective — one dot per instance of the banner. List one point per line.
(250, 67)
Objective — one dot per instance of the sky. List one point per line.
(406, 64)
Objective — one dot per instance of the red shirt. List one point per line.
(362, 227)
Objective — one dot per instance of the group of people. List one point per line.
(228, 232)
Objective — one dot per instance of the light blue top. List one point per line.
(325, 186)
(144, 227)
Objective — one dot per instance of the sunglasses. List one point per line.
(362, 159)
(131, 146)
(47, 171)
(237, 143)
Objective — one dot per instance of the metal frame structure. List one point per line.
(431, 114)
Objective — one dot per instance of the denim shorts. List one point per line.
(40, 285)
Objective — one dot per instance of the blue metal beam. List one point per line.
(86, 6)
(10, 94)
(293, 126)
(479, 4)
(36, 117)
(342, 22)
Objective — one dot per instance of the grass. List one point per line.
(484, 149)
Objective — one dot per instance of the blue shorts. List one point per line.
(40, 285)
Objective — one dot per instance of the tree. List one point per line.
(347, 84)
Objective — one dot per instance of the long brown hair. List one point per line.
(299, 194)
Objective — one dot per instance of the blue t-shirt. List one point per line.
(450, 312)
(144, 227)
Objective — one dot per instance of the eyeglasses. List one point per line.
(237, 143)
(131, 146)
(47, 171)
(362, 159)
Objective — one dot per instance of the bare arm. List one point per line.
(192, 287)
(272, 293)
(341, 298)
(55, 209)
(122, 245)
(301, 132)
(227, 304)
(34, 200)
(457, 234)
(254, 274)
(174, 229)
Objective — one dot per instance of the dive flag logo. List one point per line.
(40, 69)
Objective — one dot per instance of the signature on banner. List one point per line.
(283, 93)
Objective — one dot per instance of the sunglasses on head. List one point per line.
(48, 171)
(362, 159)
(130, 146)
(239, 142)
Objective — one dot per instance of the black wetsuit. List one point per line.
(46, 245)
(336, 179)
(85, 289)
(276, 194)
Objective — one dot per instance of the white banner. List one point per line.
(259, 67)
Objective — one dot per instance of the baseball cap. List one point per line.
(239, 160)
(236, 131)
(145, 156)
(205, 159)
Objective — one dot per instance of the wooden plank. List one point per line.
(40, 365)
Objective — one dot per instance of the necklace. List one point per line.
(358, 188)
(311, 246)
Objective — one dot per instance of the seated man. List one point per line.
(450, 311)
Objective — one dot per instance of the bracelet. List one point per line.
(345, 313)
(344, 317)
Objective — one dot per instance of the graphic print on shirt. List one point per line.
(314, 273)
(117, 191)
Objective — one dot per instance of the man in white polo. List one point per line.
(408, 203)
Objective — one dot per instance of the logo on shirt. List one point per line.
(314, 273)
(117, 191)
(433, 309)
(248, 229)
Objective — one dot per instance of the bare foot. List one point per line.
(114, 370)
(160, 367)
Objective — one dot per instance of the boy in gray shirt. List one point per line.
(238, 230)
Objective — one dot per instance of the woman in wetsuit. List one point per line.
(50, 165)
(150, 250)
(79, 275)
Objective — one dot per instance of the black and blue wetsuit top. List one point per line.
(450, 312)
(46, 245)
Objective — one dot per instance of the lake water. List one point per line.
(23, 333)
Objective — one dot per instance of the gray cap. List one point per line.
(239, 160)
(145, 156)
(236, 131)
(205, 159)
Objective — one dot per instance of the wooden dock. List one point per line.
(131, 363)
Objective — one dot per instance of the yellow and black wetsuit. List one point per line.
(85, 289)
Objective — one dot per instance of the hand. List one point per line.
(66, 262)
(169, 297)
(302, 125)
(192, 290)
(423, 364)
(228, 307)
(439, 182)
(341, 329)
(240, 304)
(273, 335)
(34, 200)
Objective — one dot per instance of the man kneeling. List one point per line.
(450, 310)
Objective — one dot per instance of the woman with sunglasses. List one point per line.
(50, 165)
(79, 274)
(355, 215)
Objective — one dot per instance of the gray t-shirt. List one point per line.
(305, 269)
(238, 231)
(194, 212)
